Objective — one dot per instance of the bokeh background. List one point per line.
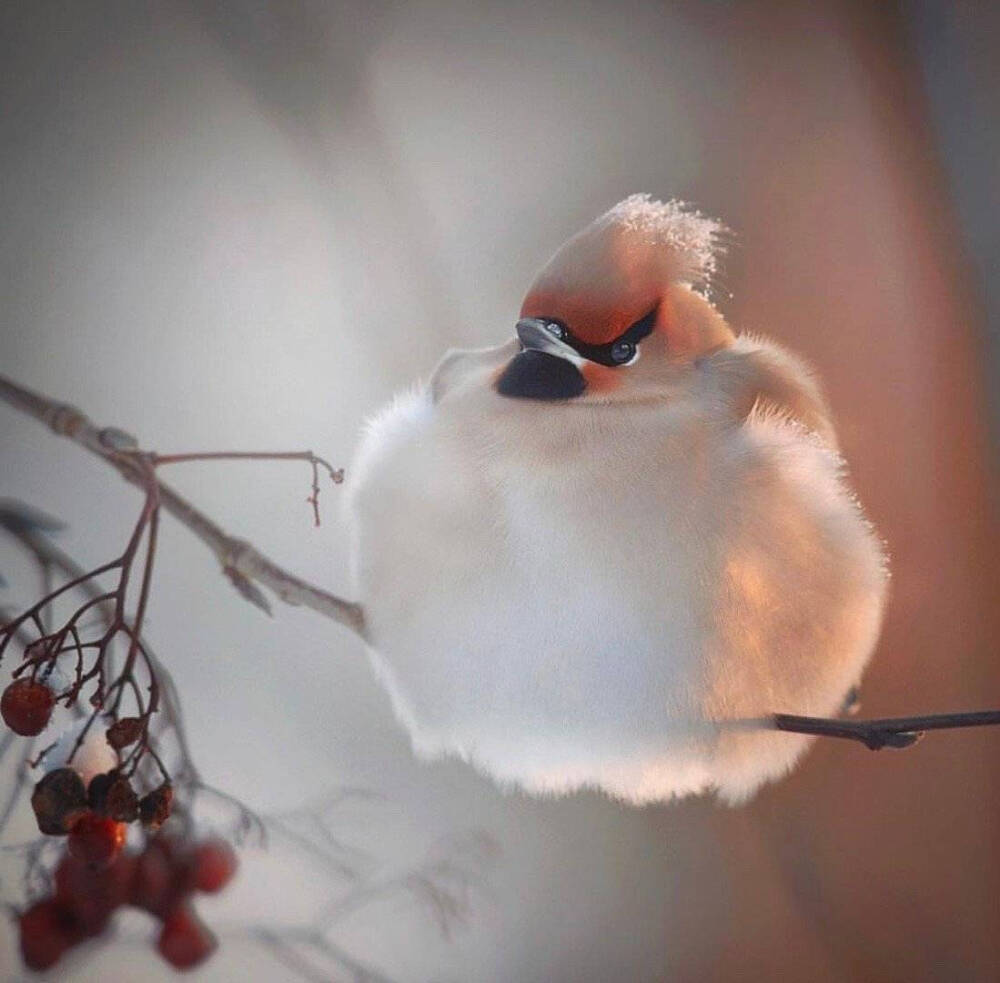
(240, 225)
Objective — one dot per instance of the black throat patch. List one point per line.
(537, 375)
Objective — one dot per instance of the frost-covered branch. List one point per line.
(243, 563)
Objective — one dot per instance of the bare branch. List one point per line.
(117, 448)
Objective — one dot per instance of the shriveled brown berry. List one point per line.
(155, 806)
(95, 840)
(124, 732)
(58, 799)
(214, 865)
(47, 929)
(111, 794)
(26, 706)
(122, 803)
(97, 790)
(185, 941)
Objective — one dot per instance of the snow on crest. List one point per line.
(695, 237)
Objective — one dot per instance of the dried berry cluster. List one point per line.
(95, 878)
(60, 802)
(96, 667)
(96, 874)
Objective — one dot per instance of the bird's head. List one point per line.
(614, 316)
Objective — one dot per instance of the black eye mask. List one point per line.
(619, 351)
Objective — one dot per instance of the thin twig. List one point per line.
(282, 947)
(316, 462)
(336, 474)
(117, 449)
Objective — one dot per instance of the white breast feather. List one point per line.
(614, 601)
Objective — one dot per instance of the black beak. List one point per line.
(542, 370)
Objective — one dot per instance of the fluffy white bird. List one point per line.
(599, 555)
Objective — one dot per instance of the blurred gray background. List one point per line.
(246, 225)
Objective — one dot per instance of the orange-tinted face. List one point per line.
(598, 306)
(596, 284)
(607, 294)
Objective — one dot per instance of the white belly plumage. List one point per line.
(517, 627)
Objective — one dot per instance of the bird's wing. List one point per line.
(758, 376)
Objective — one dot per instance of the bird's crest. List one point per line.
(694, 239)
(618, 268)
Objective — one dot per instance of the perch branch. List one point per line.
(237, 556)
(895, 732)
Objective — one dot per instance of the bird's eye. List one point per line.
(622, 351)
(555, 328)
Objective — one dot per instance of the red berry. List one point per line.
(26, 706)
(93, 893)
(154, 886)
(96, 840)
(214, 865)
(48, 929)
(185, 941)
